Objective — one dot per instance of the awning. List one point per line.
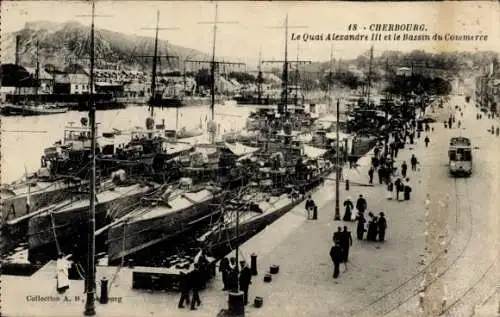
(239, 149)
(313, 152)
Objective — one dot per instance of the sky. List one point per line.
(257, 28)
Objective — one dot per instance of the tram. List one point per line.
(460, 156)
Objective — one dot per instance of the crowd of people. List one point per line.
(395, 179)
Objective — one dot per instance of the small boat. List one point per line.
(32, 110)
(62, 222)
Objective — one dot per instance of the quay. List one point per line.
(380, 279)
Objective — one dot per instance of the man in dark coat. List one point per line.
(361, 204)
(382, 226)
(426, 140)
(225, 269)
(404, 168)
(345, 243)
(398, 184)
(413, 162)
(337, 236)
(370, 174)
(407, 190)
(233, 275)
(195, 286)
(381, 172)
(360, 228)
(336, 256)
(184, 287)
(245, 280)
(310, 204)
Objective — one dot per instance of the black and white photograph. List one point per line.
(250, 158)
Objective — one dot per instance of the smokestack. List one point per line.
(18, 49)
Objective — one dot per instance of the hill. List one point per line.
(62, 44)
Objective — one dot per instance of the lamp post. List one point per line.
(337, 167)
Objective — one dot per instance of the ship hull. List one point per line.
(71, 224)
(127, 239)
(248, 229)
(15, 110)
(254, 101)
(223, 241)
(14, 226)
(185, 102)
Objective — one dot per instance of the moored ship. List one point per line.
(64, 222)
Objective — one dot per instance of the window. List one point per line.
(460, 155)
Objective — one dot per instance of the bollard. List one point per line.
(253, 263)
(104, 291)
(236, 304)
(346, 184)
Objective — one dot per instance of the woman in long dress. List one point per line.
(349, 206)
(372, 229)
(360, 229)
(390, 189)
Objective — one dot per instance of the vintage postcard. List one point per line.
(232, 158)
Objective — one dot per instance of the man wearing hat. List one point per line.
(245, 280)
(336, 256)
(382, 226)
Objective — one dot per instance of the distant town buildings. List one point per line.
(488, 87)
(119, 83)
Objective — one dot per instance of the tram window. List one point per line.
(467, 156)
(452, 155)
(463, 155)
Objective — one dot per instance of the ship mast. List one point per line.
(37, 73)
(90, 276)
(212, 129)
(330, 78)
(212, 69)
(153, 72)
(285, 68)
(259, 79)
(370, 75)
(283, 108)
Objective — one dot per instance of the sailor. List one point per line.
(62, 266)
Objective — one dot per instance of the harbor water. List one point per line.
(25, 138)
